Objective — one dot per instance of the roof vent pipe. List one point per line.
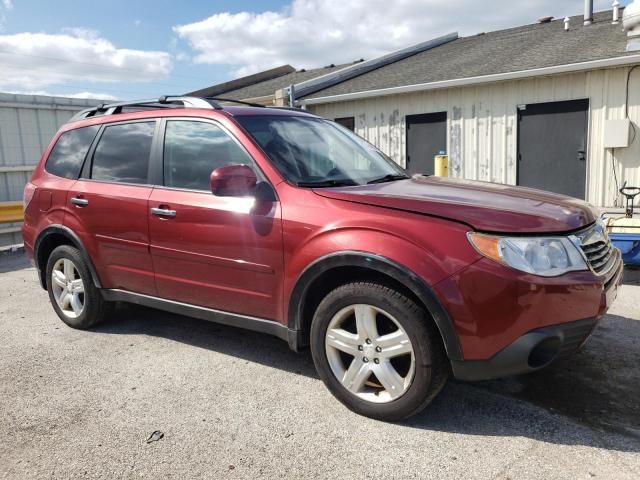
(631, 25)
(588, 12)
(566, 24)
(292, 95)
(616, 12)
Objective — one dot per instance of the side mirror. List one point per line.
(233, 181)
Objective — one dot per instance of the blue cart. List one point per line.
(624, 232)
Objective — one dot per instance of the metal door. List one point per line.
(426, 138)
(347, 122)
(552, 145)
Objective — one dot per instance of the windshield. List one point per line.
(312, 152)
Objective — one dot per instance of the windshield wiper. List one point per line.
(388, 178)
(327, 183)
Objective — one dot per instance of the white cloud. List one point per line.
(7, 4)
(312, 33)
(32, 61)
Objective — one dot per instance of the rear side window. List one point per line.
(192, 150)
(68, 154)
(122, 154)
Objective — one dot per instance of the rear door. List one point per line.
(211, 251)
(108, 206)
(552, 146)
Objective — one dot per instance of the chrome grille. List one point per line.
(597, 248)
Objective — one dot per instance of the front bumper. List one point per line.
(542, 346)
(530, 352)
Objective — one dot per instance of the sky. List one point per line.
(125, 49)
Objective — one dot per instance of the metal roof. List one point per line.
(270, 86)
(516, 49)
(242, 82)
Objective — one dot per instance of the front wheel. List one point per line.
(377, 351)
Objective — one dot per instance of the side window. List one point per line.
(67, 156)
(122, 154)
(192, 150)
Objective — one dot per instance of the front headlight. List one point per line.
(544, 256)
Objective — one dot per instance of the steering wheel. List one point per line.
(334, 172)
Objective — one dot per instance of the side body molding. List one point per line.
(74, 240)
(381, 264)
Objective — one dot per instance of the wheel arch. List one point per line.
(53, 236)
(333, 270)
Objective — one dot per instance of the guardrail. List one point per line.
(11, 212)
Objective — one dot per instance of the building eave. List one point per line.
(463, 82)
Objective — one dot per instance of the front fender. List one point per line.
(400, 259)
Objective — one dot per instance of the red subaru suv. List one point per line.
(279, 221)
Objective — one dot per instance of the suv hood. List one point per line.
(487, 207)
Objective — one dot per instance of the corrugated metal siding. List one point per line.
(482, 124)
(27, 124)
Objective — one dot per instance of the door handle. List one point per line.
(163, 212)
(582, 155)
(79, 201)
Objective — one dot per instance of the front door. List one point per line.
(108, 206)
(426, 138)
(552, 147)
(216, 252)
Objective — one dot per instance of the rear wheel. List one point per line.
(73, 295)
(377, 351)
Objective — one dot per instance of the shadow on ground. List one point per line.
(631, 276)
(10, 261)
(599, 387)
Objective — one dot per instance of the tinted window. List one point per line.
(122, 154)
(192, 150)
(67, 156)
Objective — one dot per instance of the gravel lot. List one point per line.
(235, 404)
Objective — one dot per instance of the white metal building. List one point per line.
(530, 105)
(27, 124)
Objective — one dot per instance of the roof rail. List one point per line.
(165, 101)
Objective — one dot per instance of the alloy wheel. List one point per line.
(370, 353)
(68, 288)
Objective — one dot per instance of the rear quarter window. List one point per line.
(69, 152)
(123, 152)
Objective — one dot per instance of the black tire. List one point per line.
(431, 364)
(96, 309)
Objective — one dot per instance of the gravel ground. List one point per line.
(235, 404)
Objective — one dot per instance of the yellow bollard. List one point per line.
(441, 166)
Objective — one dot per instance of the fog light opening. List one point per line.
(544, 352)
